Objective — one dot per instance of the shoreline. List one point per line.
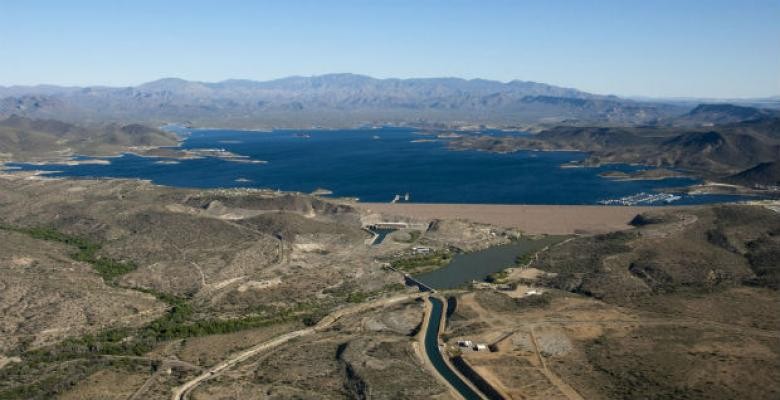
(530, 219)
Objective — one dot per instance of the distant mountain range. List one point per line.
(336, 100)
(713, 140)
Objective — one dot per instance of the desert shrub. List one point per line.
(717, 238)
(646, 219)
(108, 268)
(415, 263)
(763, 255)
(535, 301)
(497, 277)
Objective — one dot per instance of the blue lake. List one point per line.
(375, 164)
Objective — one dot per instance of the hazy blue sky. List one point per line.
(713, 48)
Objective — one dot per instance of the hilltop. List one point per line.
(713, 152)
(765, 174)
(683, 306)
(25, 139)
(723, 113)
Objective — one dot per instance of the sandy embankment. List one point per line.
(532, 219)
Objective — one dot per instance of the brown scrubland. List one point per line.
(124, 289)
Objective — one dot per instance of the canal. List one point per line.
(434, 354)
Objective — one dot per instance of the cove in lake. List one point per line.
(376, 164)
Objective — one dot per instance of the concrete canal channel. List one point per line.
(437, 359)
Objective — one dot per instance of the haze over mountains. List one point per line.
(335, 100)
(715, 140)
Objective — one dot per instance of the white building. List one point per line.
(421, 250)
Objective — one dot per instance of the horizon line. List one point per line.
(504, 82)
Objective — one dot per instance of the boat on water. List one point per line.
(398, 198)
(642, 199)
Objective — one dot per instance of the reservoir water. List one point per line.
(376, 164)
(468, 267)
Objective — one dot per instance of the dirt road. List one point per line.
(181, 392)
